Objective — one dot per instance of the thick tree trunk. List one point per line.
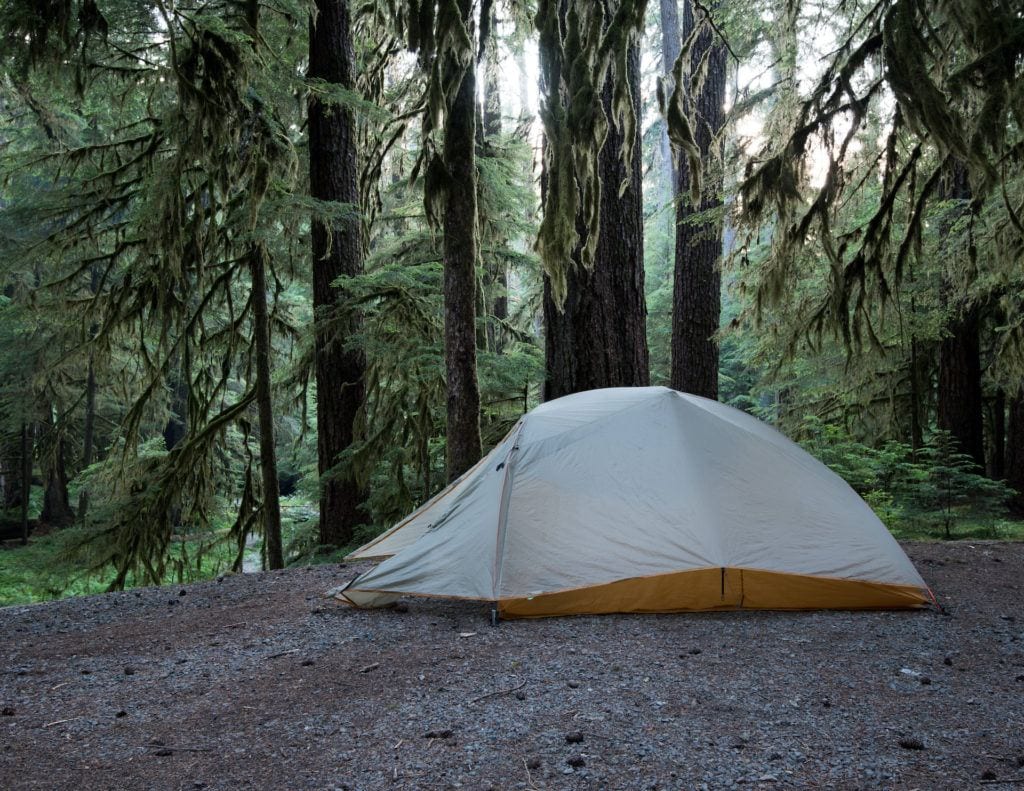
(177, 420)
(337, 251)
(265, 405)
(495, 270)
(599, 337)
(960, 403)
(918, 384)
(56, 503)
(460, 256)
(959, 400)
(996, 464)
(696, 301)
(1014, 472)
(10, 476)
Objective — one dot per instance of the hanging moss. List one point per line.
(955, 71)
(578, 51)
(680, 130)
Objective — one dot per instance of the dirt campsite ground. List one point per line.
(261, 681)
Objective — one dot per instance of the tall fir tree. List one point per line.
(337, 252)
(461, 252)
(697, 300)
(596, 336)
(959, 399)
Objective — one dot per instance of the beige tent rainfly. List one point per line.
(642, 499)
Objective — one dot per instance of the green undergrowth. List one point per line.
(44, 571)
(49, 568)
(966, 530)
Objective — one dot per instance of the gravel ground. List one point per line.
(262, 681)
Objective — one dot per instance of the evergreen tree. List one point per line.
(461, 251)
(698, 249)
(1015, 451)
(337, 252)
(959, 401)
(594, 312)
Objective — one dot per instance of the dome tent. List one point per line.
(642, 500)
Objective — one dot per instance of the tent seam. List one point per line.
(503, 509)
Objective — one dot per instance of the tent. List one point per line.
(642, 500)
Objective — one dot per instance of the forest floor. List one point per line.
(264, 681)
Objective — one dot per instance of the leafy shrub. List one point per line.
(936, 491)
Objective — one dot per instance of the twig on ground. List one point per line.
(529, 778)
(497, 692)
(61, 722)
(176, 749)
(368, 668)
(283, 653)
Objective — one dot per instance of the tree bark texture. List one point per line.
(960, 406)
(177, 420)
(265, 406)
(960, 409)
(696, 300)
(918, 377)
(10, 475)
(997, 451)
(495, 270)
(599, 338)
(56, 503)
(460, 257)
(1014, 471)
(337, 251)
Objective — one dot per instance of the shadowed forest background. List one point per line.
(273, 273)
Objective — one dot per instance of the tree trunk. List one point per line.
(918, 382)
(26, 478)
(265, 405)
(670, 47)
(996, 465)
(460, 256)
(337, 251)
(599, 337)
(1014, 472)
(524, 86)
(88, 436)
(56, 503)
(496, 272)
(960, 403)
(177, 420)
(696, 300)
(10, 477)
(960, 406)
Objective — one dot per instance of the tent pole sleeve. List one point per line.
(506, 496)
